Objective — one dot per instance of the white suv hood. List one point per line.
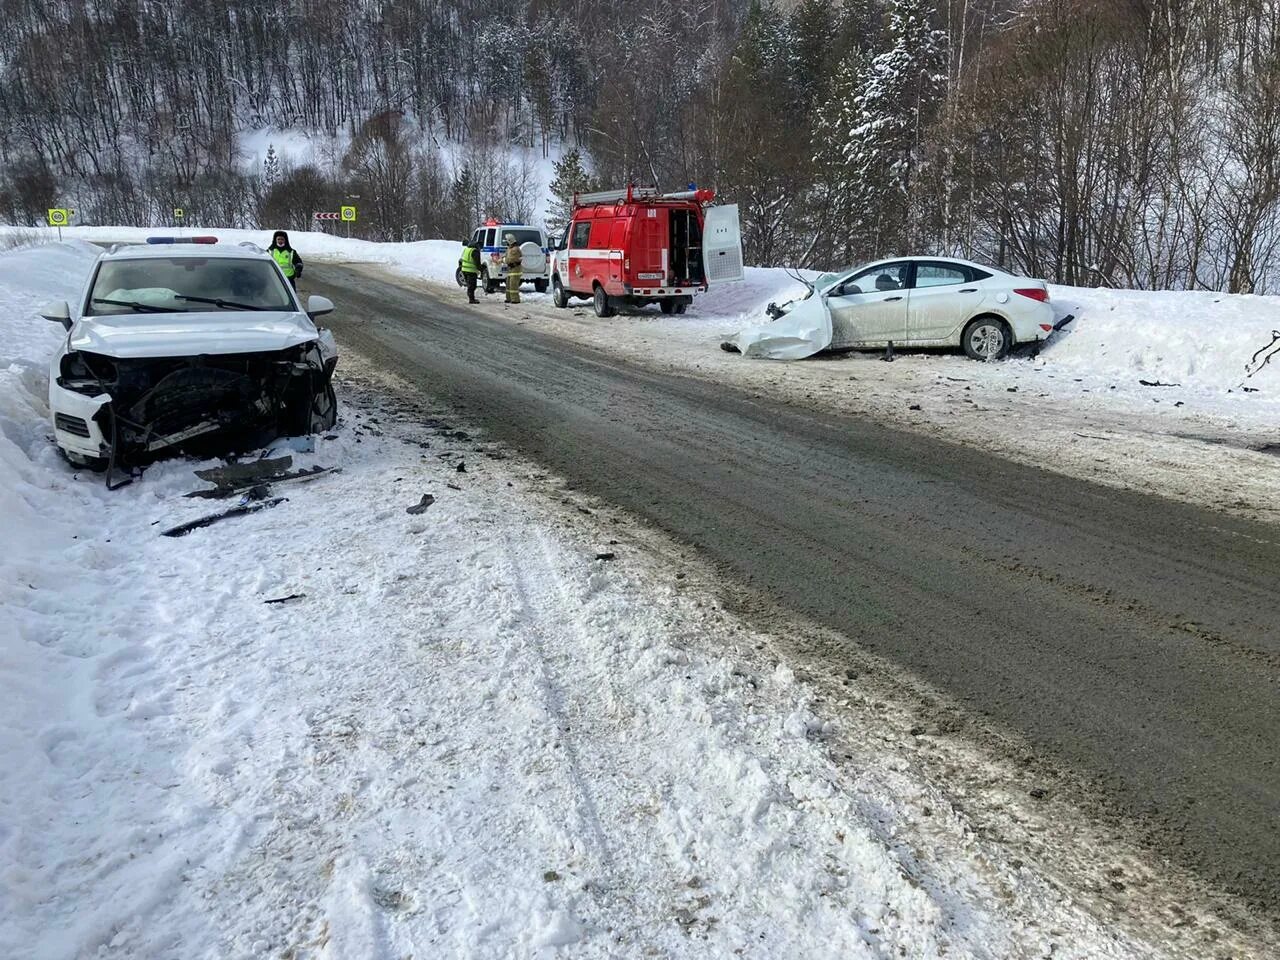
(191, 334)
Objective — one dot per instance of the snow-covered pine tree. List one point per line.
(839, 203)
(270, 167)
(570, 177)
(886, 122)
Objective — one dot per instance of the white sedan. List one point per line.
(183, 348)
(909, 302)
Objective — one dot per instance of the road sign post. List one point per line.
(348, 217)
(325, 217)
(58, 217)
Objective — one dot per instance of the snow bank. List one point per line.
(1200, 341)
(428, 259)
(747, 300)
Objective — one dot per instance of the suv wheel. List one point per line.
(540, 286)
(601, 302)
(490, 286)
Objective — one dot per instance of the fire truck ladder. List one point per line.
(635, 193)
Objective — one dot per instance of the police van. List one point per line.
(491, 239)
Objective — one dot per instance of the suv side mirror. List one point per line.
(58, 312)
(318, 306)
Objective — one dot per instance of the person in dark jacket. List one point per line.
(470, 267)
(286, 256)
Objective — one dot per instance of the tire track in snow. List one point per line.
(542, 599)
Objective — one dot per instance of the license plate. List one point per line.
(650, 276)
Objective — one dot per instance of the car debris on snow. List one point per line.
(237, 473)
(298, 476)
(182, 529)
(421, 506)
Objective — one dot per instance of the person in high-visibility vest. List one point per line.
(515, 269)
(287, 257)
(470, 267)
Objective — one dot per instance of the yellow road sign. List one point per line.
(348, 214)
(58, 218)
(178, 213)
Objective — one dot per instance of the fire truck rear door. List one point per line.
(722, 244)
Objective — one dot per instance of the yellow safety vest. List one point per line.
(284, 258)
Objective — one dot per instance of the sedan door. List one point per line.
(870, 308)
(942, 298)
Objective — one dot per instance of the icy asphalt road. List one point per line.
(1132, 641)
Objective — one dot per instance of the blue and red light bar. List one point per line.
(182, 239)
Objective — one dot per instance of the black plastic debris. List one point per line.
(462, 466)
(1158, 383)
(421, 506)
(231, 489)
(182, 529)
(246, 473)
(607, 555)
(292, 596)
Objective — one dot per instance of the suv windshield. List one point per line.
(523, 236)
(185, 285)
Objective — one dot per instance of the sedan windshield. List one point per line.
(827, 279)
(185, 285)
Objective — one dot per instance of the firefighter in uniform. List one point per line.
(470, 267)
(513, 261)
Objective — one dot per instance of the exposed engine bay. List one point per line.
(218, 403)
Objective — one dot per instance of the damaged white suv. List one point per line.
(187, 348)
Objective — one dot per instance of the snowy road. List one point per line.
(1129, 639)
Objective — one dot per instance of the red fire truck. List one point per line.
(637, 246)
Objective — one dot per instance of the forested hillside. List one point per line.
(1126, 142)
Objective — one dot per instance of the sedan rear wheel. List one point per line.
(987, 338)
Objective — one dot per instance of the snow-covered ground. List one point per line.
(465, 734)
